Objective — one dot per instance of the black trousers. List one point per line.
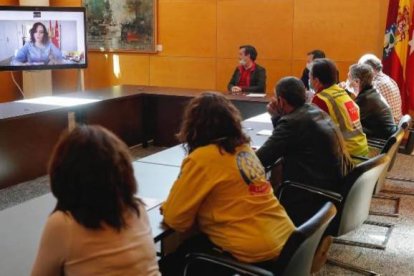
(173, 264)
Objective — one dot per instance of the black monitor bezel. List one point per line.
(56, 66)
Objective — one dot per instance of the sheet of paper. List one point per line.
(150, 202)
(265, 132)
(256, 95)
(262, 118)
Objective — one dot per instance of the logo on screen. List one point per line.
(37, 14)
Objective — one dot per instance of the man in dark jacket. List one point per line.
(376, 115)
(311, 145)
(248, 76)
(311, 56)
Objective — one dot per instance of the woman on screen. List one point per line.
(98, 227)
(39, 50)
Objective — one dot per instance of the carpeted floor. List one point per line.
(397, 259)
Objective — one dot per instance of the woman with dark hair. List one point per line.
(39, 50)
(98, 227)
(222, 189)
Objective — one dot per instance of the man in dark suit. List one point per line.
(248, 76)
(311, 56)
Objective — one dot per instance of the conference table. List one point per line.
(137, 114)
(253, 127)
(21, 226)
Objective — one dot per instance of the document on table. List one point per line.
(150, 202)
(256, 95)
(265, 132)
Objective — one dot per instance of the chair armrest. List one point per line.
(314, 190)
(361, 158)
(223, 261)
(277, 163)
(377, 141)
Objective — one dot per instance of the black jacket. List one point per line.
(314, 153)
(305, 78)
(376, 116)
(257, 80)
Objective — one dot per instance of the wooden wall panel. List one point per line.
(187, 28)
(183, 72)
(130, 69)
(265, 24)
(275, 69)
(225, 68)
(344, 29)
(98, 73)
(65, 3)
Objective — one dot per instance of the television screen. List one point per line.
(34, 38)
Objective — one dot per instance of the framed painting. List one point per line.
(121, 25)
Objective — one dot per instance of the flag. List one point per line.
(56, 35)
(396, 47)
(409, 70)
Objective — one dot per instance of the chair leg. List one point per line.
(396, 213)
(382, 246)
(352, 267)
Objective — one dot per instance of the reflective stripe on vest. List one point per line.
(347, 133)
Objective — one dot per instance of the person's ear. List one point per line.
(316, 83)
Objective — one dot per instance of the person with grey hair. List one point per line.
(376, 117)
(385, 85)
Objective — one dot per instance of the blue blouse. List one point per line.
(29, 53)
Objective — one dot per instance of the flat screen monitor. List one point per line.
(36, 38)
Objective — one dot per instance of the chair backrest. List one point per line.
(390, 149)
(404, 122)
(357, 192)
(297, 254)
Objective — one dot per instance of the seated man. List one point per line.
(335, 101)
(311, 56)
(310, 143)
(376, 117)
(248, 76)
(385, 85)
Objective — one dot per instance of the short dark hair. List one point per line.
(33, 30)
(292, 90)
(325, 71)
(91, 176)
(249, 50)
(317, 54)
(212, 119)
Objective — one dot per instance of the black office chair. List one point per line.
(405, 148)
(353, 209)
(390, 148)
(295, 258)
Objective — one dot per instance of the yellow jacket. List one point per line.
(228, 197)
(345, 113)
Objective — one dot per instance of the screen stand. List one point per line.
(37, 83)
(81, 80)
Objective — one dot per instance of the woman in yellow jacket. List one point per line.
(222, 189)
